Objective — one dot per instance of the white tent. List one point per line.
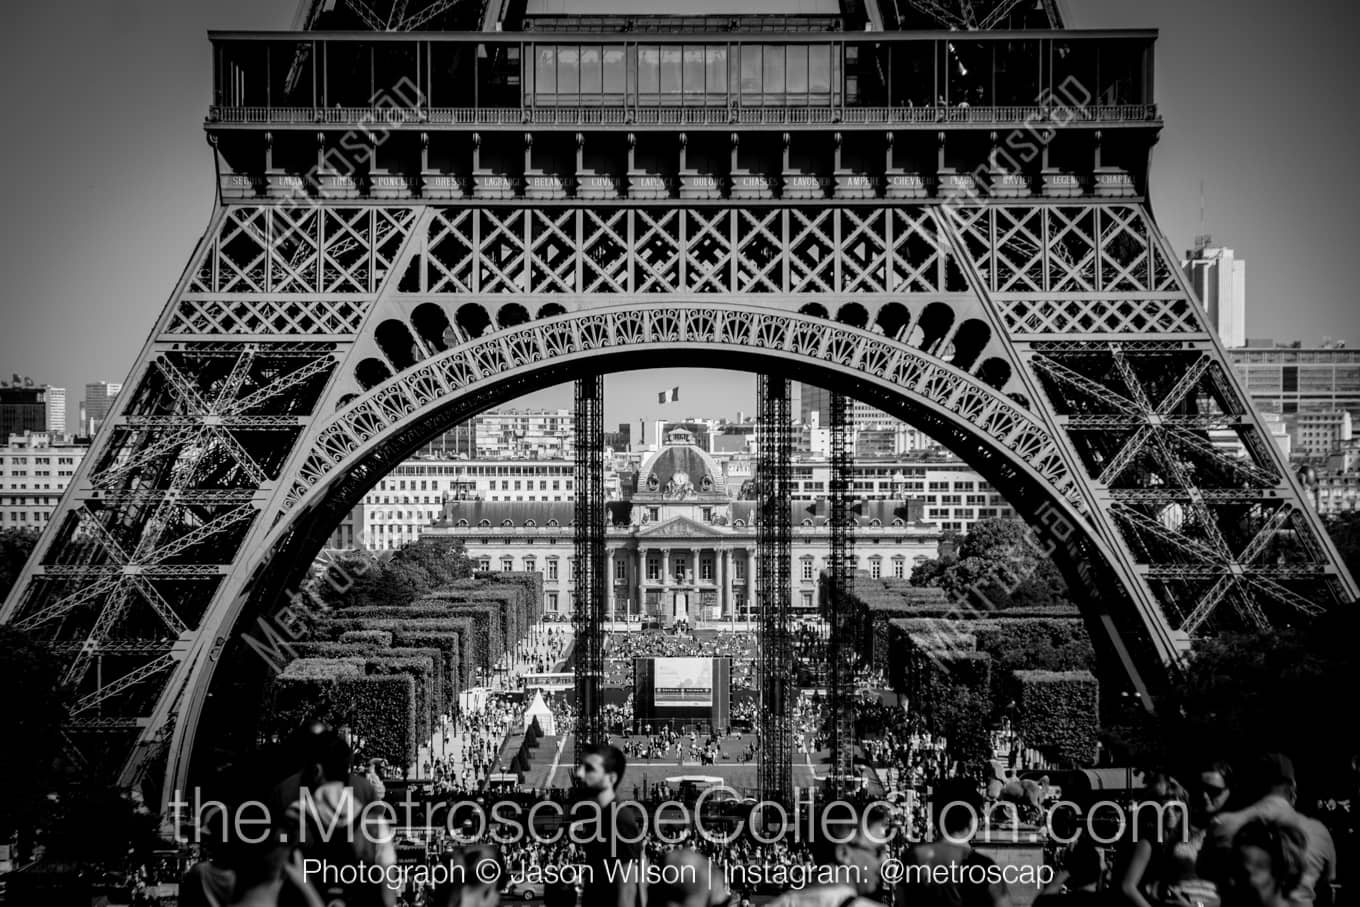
(539, 709)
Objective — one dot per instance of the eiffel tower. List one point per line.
(428, 207)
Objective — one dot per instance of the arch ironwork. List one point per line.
(269, 397)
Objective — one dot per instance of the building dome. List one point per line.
(679, 470)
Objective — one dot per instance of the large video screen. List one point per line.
(683, 682)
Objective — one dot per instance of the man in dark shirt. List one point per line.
(610, 833)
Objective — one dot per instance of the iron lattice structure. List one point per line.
(774, 643)
(975, 15)
(337, 313)
(590, 564)
(309, 348)
(844, 627)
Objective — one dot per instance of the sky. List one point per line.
(110, 180)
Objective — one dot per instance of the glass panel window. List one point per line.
(797, 68)
(750, 69)
(693, 69)
(615, 70)
(819, 69)
(670, 69)
(545, 70)
(774, 69)
(717, 69)
(568, 70)
(649, 69)
(591, 74)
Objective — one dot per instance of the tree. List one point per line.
(435, 562)
(1270, 690)
(999, 565)
(35, 707)
(1345, 532)
(15, 547)
(964, 717)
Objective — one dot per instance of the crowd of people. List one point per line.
(622, 648)
(1233, 836)
(1225, 834)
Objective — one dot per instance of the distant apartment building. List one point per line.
(1294, 379)
(23, 407)
(530, 434)
(412, 496)
(876, 434)
(1219, 278)
(56, 410)
(949, 493)
(1337, 493)
(1317, 435)
(98, 401)
(35, 469)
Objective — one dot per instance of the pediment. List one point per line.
(680, 527)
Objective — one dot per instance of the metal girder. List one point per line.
(433, 9)
(127, 681)
(193, 497)
(844, 625)
(102, 725)
(590, 573)
(318, 365)
(1129, 422)
(1050, 279)
(1003, 9)
(366, 14)
(154, 571)
(773, 534)
(108, 583)
(187, 423)
(118, 646)
(1170, 494)
(1094, 389)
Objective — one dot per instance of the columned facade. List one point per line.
(679, 547)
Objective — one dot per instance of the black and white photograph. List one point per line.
(619, 453)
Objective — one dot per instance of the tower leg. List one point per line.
(773, 563)
(589, 568)
(838, 607)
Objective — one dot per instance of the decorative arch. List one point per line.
(362, 442)
(313, 413)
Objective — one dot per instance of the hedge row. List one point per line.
(421, 668)
(934, 669)
(381, 709)
(453, 636)
(1015, 644)
(378, 638)
(530, 582)
(485, 622)
(442, 698)
(1057, 713)
(513, 608)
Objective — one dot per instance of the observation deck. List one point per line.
(701, 115)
